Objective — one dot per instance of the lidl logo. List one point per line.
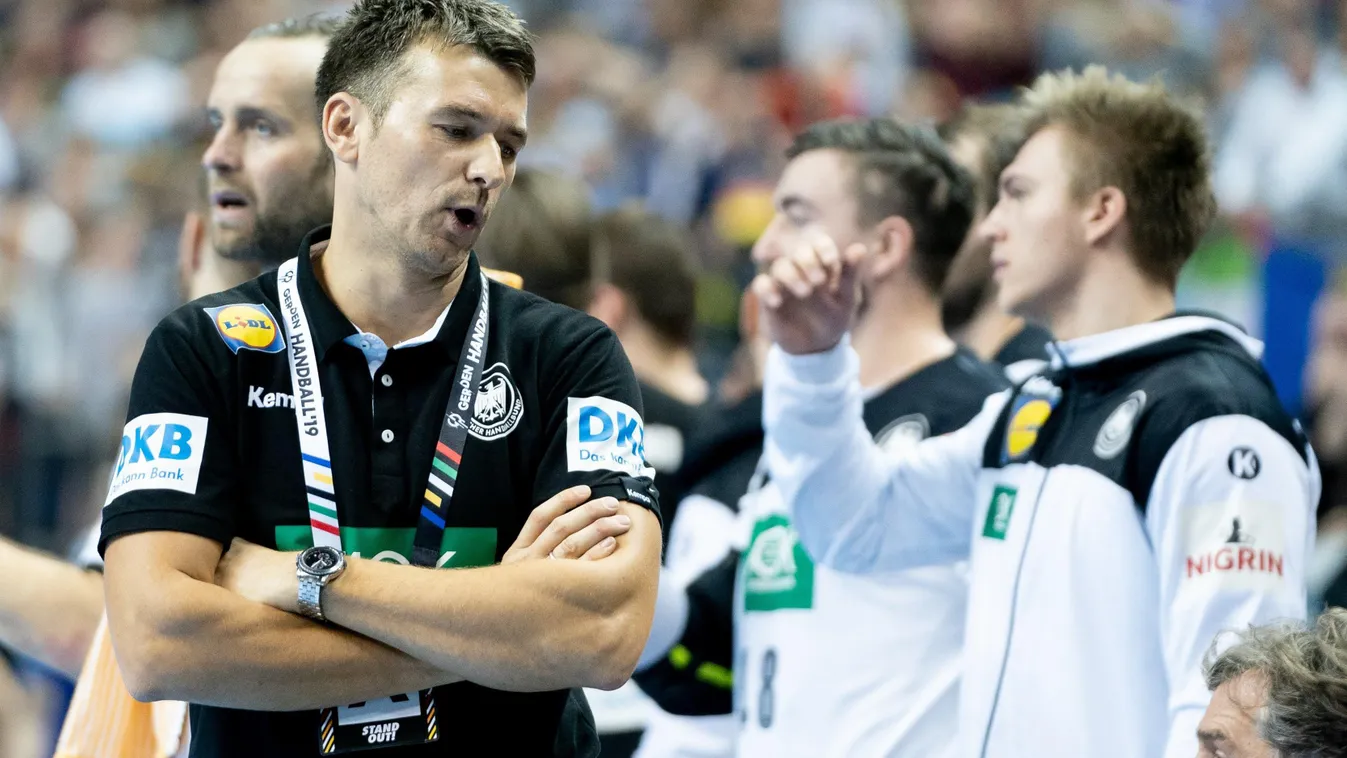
(1025, 424)
(159, 451)
(247, 326)
(605, 435)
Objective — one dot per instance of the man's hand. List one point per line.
(563, 528)
(260, 574)
(809, 295)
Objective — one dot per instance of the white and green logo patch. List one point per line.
(1000, 508)
(461, 547)
(777, 572)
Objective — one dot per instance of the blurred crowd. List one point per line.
(684, 105)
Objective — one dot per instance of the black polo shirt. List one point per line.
(211, 448)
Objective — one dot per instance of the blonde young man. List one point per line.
(1142, 493)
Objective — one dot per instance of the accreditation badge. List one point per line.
(396, 721)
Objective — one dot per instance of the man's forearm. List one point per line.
(49, 608)
(216, 648)
(530, 626)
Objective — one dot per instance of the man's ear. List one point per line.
(893, 249)
(343, 115)
(1104, 213)
(191, 249)
(610, 305)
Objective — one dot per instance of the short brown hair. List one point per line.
(903, 170)
(323, 25)
(365, 57)
(1142, 140)
(1304, 670)
(999, 130)
(653, 261)
(540, 230)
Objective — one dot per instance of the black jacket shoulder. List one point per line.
(559, 329)
(1194, 378)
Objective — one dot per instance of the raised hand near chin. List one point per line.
(809, 295)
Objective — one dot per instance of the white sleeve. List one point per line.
(86, 554)
(856, 508)
(1231, 517)
(699, 538)
(669, 622)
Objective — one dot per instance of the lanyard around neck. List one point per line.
(311, 422)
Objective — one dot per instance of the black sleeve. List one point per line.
(695, 678)
(595, 432)
(176, 467)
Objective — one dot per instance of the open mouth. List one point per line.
(468, 217)
(229, 199)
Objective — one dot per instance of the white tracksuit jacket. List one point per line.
(1143, 493)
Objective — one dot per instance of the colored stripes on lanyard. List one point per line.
(311, 421)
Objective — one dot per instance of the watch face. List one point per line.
(320, 560)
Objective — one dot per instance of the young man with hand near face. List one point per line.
(1119, 508)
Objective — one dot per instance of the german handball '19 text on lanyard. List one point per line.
(311, 420)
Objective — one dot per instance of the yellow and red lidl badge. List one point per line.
(247, 326)
(1022, 431)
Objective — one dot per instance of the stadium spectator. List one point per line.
(1282, 166)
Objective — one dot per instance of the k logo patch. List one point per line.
(1244, 463)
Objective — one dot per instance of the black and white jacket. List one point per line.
(1120, 508)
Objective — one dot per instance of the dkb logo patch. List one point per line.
(159, 451)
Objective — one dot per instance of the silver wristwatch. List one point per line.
(316, 567)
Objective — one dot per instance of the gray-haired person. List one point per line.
(1279, 692)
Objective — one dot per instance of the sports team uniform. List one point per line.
(837, 665)
(1120, 509)
(1024, 354)
(1030, 343)
(218, 445)
(671, 427)
(692, 681)
(670, 424)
